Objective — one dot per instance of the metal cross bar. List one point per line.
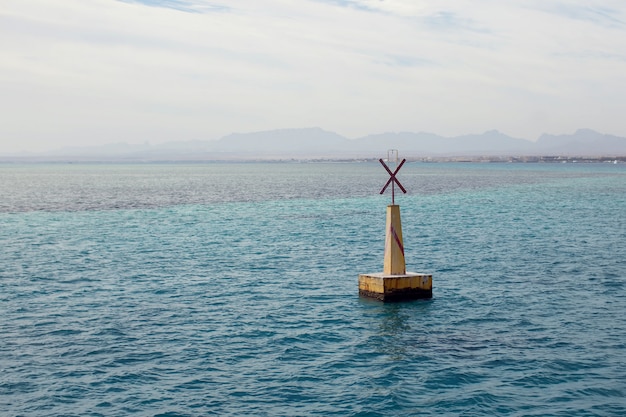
(392, 179)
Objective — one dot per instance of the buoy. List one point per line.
(394, 283)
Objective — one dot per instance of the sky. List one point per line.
(85, 73)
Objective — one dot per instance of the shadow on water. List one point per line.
(394, 325)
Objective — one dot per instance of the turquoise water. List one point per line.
(231, 289)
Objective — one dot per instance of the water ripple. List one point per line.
(250, 308)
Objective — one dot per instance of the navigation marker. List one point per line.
(394, 283)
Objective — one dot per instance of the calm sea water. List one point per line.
(231, 289)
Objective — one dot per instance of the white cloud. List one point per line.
(75, 72)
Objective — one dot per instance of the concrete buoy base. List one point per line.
(385, 287)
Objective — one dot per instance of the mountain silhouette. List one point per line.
(319, 143)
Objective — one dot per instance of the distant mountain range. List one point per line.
(319, 143)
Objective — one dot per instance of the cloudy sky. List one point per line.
(80, 73)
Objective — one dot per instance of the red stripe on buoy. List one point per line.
(397, 238)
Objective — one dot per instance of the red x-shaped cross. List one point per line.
(392, 179)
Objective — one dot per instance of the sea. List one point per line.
(231, 289)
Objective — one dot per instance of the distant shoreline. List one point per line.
(293, 159)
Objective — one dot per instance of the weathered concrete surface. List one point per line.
(385, 287)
